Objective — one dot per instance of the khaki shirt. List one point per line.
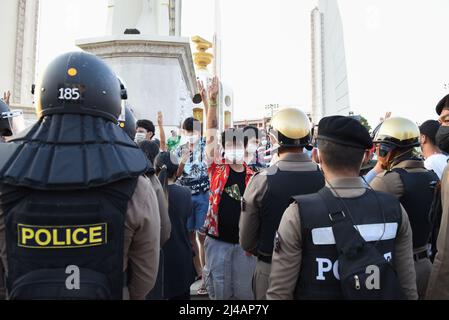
(391, 182)
(286, 263)
(251, 215)
(163, 209)
(141, 240)
(438, 287)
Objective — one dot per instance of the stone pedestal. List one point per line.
(157, 71)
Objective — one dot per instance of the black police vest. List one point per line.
(282, 185)
(417, 201)
(318, 278)
(66, 244)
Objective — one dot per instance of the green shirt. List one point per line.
(173, 142)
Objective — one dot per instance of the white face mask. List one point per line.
(252, 149)
(264, 142)
(139, 137)
(235, 156)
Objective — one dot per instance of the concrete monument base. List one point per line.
(157, 71)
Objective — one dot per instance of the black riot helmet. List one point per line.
(5, 126)
(127, 121)
(79, 83)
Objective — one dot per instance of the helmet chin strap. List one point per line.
(393, 160)
(274, 141)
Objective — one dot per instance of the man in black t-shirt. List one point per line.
(228, 269)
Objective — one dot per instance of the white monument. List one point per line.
(202, 60)
(18, 25)
(155, 65)
(150, 17)
(330, 93)
(226, 105)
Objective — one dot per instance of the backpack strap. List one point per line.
(347, 238)
(400, 171)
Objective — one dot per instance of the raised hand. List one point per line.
(6, 97)
(160, 118)
(214, 89)
(202, 90)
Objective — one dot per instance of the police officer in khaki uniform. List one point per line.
(127, 121)
(406, 177)
(438, 288)
(305, 255)
(269, 192)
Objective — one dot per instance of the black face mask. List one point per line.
(442, 138)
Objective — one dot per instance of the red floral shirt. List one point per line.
(218, 175)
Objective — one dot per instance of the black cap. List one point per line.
(345, 131)
(429, 129)
(443, 104)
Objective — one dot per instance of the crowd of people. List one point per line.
(282, 213)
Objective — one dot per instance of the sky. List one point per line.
(396, 51)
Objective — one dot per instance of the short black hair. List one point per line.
(168, 161)
(340, 157)
(146, 124)
(150, 148)
(430, 129)
(189, 124)
(235, 134)
(247, 134)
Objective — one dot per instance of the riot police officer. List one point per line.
(5, 126)
(76, 214)
(268, 193)
(407, 178)
(306, 263)
(11, 121)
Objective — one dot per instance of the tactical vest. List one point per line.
(319, 279)
(417, 201)
(282, 185)
(66, 244)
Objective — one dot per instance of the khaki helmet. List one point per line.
(291, 127)
(398, 132)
